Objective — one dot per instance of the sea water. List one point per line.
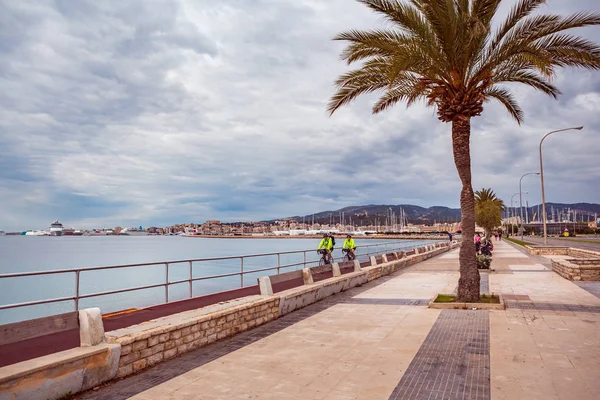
(33, 253)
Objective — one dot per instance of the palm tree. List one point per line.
(488, 210)
(445, 52)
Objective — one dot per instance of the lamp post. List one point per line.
(512, 227)
(542, 179)
(521, 199)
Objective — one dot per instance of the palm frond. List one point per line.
(407, 90)
(484, 10)
(365, 44)
(445, 51)
(519, 11)
(507, 100)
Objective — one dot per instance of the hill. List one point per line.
(374, 214)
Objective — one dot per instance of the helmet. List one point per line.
(348, 235)
(325, 235)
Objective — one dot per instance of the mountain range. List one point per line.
(377, 214)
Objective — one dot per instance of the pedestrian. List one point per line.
(477, 240)
(449, 236)
(500, 236)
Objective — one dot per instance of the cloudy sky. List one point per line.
(167, 111)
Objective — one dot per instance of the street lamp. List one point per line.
(521, 199)
(512, 227)
(542, 179)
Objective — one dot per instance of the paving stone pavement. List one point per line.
(454, 361)
(591, 287)
(380, 341)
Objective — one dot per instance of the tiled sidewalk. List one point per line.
(380, 341)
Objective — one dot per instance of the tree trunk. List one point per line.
(468, 284)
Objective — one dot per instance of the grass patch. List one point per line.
(449, 298)
(445, 298)
(582, 241)
(490, 299)
(520, 242)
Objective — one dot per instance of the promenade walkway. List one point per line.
(380, 341)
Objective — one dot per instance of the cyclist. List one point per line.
(349, 246)
(326, 246)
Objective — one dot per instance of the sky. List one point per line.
(128, 113)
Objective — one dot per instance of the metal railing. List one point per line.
(362, 251)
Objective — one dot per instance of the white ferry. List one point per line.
(56, 229)
(134, 232)
(37, 233)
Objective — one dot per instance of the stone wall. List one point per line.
(561, 251)
(548, 250)
(578, 270)
(579, 253)
(177, 334)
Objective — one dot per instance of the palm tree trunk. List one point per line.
(468, 284)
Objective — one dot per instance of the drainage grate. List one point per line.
(453, 362)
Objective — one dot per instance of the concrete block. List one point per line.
(91, 328)
(356, 265)
(384, 258)
(335, 267)
(396, 257)
(55, 375)
(373, 261)
(307, 276)
(266, 289)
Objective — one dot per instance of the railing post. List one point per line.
(191, 277)
(241, 272)
(304, 258)
(77, 290)
(278, 263)
(166, 282)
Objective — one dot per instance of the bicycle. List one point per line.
(324, 260)
(348, 255)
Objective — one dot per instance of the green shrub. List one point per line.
(483, 262)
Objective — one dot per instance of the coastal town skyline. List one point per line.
(365, 217)
(202, 110)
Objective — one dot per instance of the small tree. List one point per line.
(488, 210)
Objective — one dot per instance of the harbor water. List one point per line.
(25, 254)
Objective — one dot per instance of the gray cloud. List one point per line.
(178, 111)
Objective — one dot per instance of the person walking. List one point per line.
(477, 240)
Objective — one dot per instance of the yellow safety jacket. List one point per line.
(325, 244)
(349, 244)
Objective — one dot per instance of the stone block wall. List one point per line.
(578, 270)
(145, 348)
(566, 269)
(547, 250)
(579, 253)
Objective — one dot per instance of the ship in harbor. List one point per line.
(2, 233)
(56, 228)
(36, 233)
(134, 232)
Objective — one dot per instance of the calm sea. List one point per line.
(23, 254)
